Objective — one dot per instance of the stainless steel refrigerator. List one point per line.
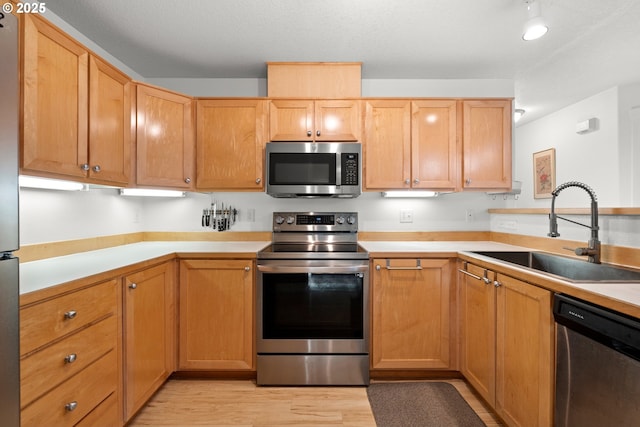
(9, 235)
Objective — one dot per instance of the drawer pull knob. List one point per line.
(133, 286)
(70, 358)
(71, 406)
(247, 268)
(70, 314)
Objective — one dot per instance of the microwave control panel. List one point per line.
(349, 169)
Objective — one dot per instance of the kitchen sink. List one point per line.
(572, 269)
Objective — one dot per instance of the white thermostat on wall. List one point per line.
(587, 126)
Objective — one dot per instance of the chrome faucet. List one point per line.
(593, 249)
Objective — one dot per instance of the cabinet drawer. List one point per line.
(105, 415)
(71, 401)
(49, 367)
(44, 322)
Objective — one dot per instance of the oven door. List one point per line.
(312, 307)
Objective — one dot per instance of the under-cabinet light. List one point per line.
(146, 192)
(409, 194)
(50, 184)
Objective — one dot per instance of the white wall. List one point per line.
(603, 159)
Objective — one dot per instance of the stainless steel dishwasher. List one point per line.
(598, 365)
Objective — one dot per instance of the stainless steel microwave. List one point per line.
(313, 169)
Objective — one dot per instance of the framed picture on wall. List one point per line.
(544, 173)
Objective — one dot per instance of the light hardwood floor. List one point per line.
(217, 403)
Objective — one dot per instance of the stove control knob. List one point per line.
(279, 220)
(351, 219)
(290, 219)
(340, 220)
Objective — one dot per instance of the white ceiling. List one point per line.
(592, 45)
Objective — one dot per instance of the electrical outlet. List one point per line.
(468, 215)
(406, 215)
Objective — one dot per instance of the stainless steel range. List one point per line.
(312, 302)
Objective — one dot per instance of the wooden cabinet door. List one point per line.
(411, 312)
(337, 120)
(291, 120)
(110, 123)
(525, 354)
(149, 333)
(165, 139)
(434, 155)
(55, 99)
(477, 312)
(309, 120)
(387, 144)
(231, 136)
(487, 126)
(216, 315)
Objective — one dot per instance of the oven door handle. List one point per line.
(343, 269)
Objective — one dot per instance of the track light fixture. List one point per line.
(535, 27)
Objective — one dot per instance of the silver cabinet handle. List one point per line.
(308, 133)
(258, 180)
(70, 314)
(378, 267)
(133, 286)
(70, 358)
(418, 266)
(96, 168)
(416, 181)
(467, 181)
(247, 268)
(497, 284)
(407, 181)
(317, 133)
(469, 274)
(84, 166)
(71, 406)
(187, 180)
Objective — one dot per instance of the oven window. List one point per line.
(312, 306)
(302, 169)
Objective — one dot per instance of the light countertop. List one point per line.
(49, 272)
(37, 275)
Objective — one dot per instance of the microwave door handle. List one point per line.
(307, 269)
(338, 169)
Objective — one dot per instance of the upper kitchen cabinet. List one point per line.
(314, 120)
(165, 138)
(76, 109)
(318, 80)
(230, 140)
(487, 126)
(111, 127)
(410, 144)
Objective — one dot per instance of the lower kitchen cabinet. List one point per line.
(216, 315)
(149, 333)
(413, 307)
(69, 367)
(507, 350)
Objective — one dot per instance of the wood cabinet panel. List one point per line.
(68, 403)
(110, 123)
(49, 367)
(104, 415)
(54, 115)
(478, 331)
(411, 314)
(524, 354)
(149, 333)
(43, 322)
(231, 136)
(434, 156)
(314, 79)
(507, 345)
(487, 132)
(165, 139)
(411, 144)
(217, 315)
(387, 144)
(319, 120)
